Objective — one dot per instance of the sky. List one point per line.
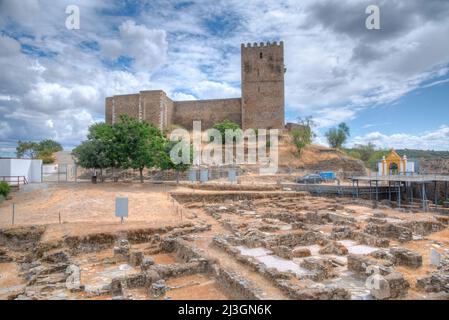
(391, 86)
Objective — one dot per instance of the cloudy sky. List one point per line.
(391, 85)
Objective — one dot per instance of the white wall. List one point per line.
(5, 167)
(36, 171)
(29, 168)
(410, 166)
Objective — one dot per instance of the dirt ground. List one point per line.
(84, 206)
(88, 209)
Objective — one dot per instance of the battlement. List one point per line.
(262, 44)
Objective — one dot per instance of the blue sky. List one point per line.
(418, 111)
(389, 85)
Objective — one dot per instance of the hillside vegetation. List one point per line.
(317, 158)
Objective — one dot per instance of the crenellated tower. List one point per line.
(263, 85)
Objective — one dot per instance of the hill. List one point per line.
(423, 154)
(317, 158)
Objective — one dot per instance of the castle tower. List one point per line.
(263, 85)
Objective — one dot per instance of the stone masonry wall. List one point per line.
(168, 110)
(126, 104)
(108, 111)
(261, 105)
(208, 111)
(263, 85)
(151, 106)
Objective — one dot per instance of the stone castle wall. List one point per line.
(208, 112)
(151, 106)
(261, 105)
(263, 85)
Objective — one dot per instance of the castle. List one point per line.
(260, 107)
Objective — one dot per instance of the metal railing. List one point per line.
(14, 181)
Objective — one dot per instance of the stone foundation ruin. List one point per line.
(239, 245)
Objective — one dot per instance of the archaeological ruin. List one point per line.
(247, 242)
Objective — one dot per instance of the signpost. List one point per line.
(204, 175)
(232, 175)
(121, 208)
(192, 175)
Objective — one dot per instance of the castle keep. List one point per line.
(261, 105)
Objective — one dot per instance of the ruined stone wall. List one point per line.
(208, 111)
(263, 85)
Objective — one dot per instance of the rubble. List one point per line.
(136, 258)
(390, 230)
(73, 281)
(406, 257)
(301, 252)
(158, 288)
(295, 247)
(398, 284)
(323, 267)
(121, 252)
(334, 247)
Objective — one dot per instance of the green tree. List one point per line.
(49, 146)
(336, 137)
(140, 144)
(225, 125)
(27, 149)
(47, 156)
(92, 154)
(105, 138)
(98, 152)
(166, 163)
(354, 153)
(303, 134)
(366, 151)
(38, 150)
(375, 157)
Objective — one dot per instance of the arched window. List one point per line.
(261, 55)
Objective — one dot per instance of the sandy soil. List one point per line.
(9, 279)
(88, 204)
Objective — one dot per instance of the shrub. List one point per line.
(302, 137)
(5, 189)
(336, 137)
(227, 125)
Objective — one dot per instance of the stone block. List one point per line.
(406, 257)
(158, 288)
(334, 247)
(301, 252)
(136, 258)
(398, 284)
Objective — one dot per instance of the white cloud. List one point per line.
(437, 139)
(147, 47)
(335, 68)
(215, 90)
(180, 96)
(5, 129)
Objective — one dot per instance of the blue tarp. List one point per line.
(328, 175)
